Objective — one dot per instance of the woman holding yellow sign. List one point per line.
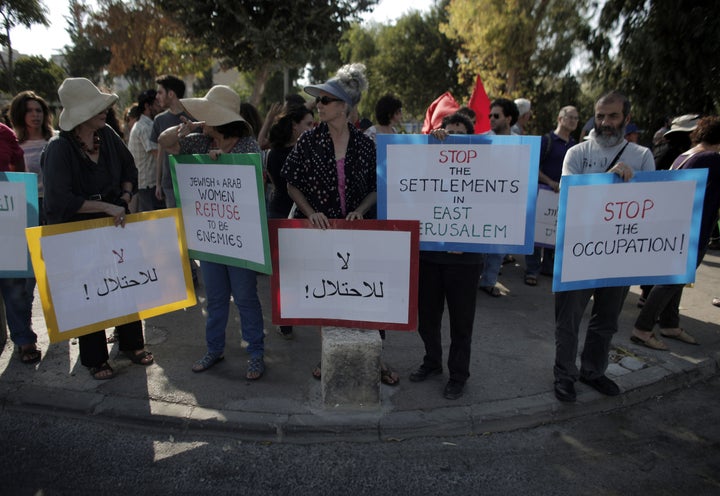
(89, 173)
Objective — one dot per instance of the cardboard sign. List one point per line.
(18, 210)
(546, 212)
(472, 193)
(339, 277)
(92, 275)
(223, 208)
(615, 233)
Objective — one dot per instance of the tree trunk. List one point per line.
(262, 76)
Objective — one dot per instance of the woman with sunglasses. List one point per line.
(331, 171)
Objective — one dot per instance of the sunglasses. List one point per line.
(326, 99)
(496, 116)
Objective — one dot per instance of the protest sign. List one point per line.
(223, 208)
(473, 193)
(337, 276)
(615, 233)
(92, 275)
(546, 211)
(18, 210)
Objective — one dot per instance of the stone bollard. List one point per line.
(350, 367)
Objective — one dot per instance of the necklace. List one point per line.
(95, 144)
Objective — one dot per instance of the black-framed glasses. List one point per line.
(496, 116)
(326, 99)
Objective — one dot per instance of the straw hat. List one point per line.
(220, 106)
(81, 100)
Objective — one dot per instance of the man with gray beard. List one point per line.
(605, 151)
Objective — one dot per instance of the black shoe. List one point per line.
(453, 390)
(603, 385)
(565, 390)
(423, 373)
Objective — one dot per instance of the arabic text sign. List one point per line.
(18, 210)
(546, 217)
(614, 233)
(92, 275)
(469, 192)
(223, 208)
(338, 277)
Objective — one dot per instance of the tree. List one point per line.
(416, 62)
(38, 74)
(17, 13)
(84, 57)
(666, 61)
(143, 42)
(264, 36)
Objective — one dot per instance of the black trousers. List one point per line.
(457, 284)
(93, 347)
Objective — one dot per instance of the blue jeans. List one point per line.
(18, 297)
(492, 262)
(533, 264)
(221, 281)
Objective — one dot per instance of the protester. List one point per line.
(447, 277)
(607, 151)
(388, 112)
(284, 133)
(90, 173)
(662, 305)
(222, 130)
(17, 292)
(330, 173)
(553, 147)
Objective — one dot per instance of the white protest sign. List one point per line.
(613, 233)
(470, 193)
(92, 275)
(335, 275)
(546, 217)
(223, 209)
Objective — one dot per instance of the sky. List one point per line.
(50, 41)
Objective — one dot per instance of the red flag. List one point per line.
(444, 105)
(480, 103)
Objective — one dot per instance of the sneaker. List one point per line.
(423, 372)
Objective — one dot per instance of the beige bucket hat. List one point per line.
(220, 106)
(81, 100)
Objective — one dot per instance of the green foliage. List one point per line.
(38, 74)
(264, 35)
(410, 59)
(666, 62)
(84, 57)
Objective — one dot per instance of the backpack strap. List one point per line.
(548, 147)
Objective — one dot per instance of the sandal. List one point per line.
(29, 354)
(531, 280)
(681, 336)
(256, 368)
(652, 342)
(102, 373)
(317, 371)
(207, 362)
(389, 376)
(493, 291)
(142, 358)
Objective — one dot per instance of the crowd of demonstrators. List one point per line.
(447, 277)
(221, 129)
(330, 172)
(89, 173)
(553, 147)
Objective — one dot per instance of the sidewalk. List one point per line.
(510, 386)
